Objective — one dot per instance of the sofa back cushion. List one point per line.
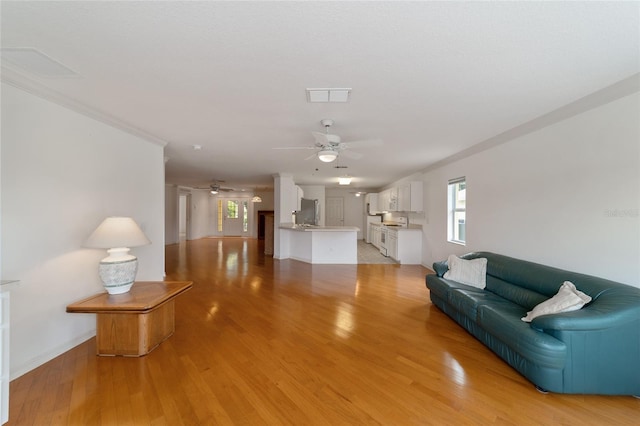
(528, 283)
(516, 294)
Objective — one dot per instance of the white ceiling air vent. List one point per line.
(328, 95)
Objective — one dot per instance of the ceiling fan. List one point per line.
(329, 146)
(215, 187)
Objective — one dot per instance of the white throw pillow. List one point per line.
(567, 299)
(471, 272)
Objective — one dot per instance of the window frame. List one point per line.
(454, 209)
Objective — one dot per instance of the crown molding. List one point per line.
(604, 96)
(39, 90)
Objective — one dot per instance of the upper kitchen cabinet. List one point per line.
(371, 204)
(406, 197)
(410, 197)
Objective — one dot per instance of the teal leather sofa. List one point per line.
(594, 350)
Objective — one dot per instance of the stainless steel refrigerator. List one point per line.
(308, 213)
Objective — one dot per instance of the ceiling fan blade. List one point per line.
(295, 147)
(351, 154)
(363, 143)
(314, 155)
(321, 138)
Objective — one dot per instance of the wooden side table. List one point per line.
(133, 323)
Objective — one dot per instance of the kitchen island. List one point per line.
(319, 244)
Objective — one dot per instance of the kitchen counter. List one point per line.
(399, 227)
(317, 228)
(319, 244)
(402, 243)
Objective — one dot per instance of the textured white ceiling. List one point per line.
(429, 78)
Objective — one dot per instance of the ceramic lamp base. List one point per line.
(118, 276)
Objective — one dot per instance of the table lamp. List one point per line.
(118, 270)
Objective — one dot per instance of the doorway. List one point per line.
(262, 222)
(233, 217)
(334, 211)
(184, 217)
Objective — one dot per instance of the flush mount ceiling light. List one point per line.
(344, 180)
(328, 95)
(327, 155)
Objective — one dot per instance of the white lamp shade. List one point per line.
(345, 180)
(117, 232)
(327, 155)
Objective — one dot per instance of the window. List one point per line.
(245, 216)
(457, 205)
(232, 209)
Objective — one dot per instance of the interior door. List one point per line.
(235, 217)
(334, 211)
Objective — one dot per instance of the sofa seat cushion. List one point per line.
(502, 320)
(467, 300)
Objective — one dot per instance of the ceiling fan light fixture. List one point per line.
(327, 155)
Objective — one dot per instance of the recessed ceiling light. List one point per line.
(328, 95)
(36, 62)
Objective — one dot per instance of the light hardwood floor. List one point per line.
(266, 342)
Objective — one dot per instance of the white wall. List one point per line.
(200, 222)
(567, 195)
(62, 174)
(284, 204)
(266, 204)
(182, 215)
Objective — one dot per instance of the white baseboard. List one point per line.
(18, 370)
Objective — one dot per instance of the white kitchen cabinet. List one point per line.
(371, 201)
(410, 197)
(408, 245)
(392, 243)
(375, 235)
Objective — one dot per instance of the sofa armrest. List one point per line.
(440, 268)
